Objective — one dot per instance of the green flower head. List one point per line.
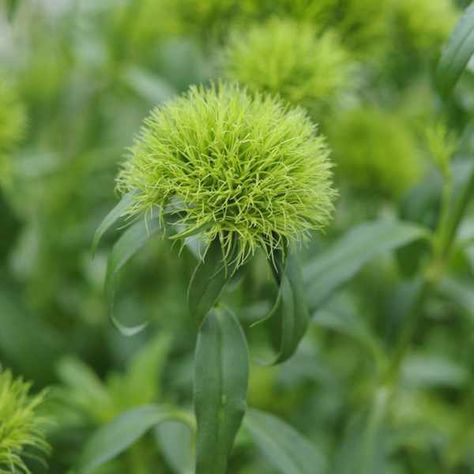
(20, 427)
(288, 58)
(12, 118)
(374, 151)
(242, 168)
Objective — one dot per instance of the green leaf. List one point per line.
(114, 438)
(145, 370)
(456, 53)
(111, 218)
(208, 281)
(284, 448)
(460, 293)
(428, 371)
(342, 317)
(291, 313)
(129, 243)
(175, 440)
(220, 389)
(344, 258)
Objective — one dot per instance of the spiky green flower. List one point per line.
(288, 58)
(12, 118)
(242, 168)
(374, 151)
(425, 24)
(20, 427)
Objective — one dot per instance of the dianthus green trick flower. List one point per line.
(374, 151)
(20, 427)
(242, 168)
(288, 58)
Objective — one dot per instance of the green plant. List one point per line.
(373, 317)
(289, 59)
(241, 172)
(21, 429)
(245, 171)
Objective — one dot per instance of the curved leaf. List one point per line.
(284, 448)
(220, 389)
(292, 311)
(176, 440)
(338, 264)
(456, 53)
(129, 243)
(112, 439)
(111, 218)
(208, 281)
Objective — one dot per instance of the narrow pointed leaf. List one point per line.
(129, 243)
(284, 448)
(456, 53)
(114, 438)
(220, 389)
(175, 440)
(292, 311)
(111, 218)
(208, 281)
(335, 266)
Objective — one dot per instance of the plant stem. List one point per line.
(456, 216)
(444, 239)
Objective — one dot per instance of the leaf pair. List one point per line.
(284, 448)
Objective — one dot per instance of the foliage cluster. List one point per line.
(382, 379)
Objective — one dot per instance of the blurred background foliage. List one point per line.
(77, 79)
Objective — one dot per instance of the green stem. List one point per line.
(377, 414)
(444, 240)
(456, 216)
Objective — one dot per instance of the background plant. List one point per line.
(364, 390)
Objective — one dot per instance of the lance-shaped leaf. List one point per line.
(342, 260)
(111, 218)
(456, 53)
(114, 438)
(175, 440)
(284, 448)
(208, 280)
(129, 243)
(220, 389)
(291, 311)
